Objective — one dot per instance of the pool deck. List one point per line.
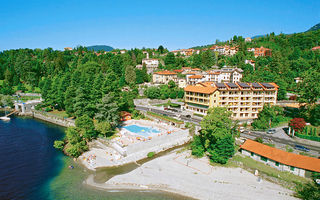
(128, 147)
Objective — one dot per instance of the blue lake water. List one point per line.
(27, 158)
(141, 130)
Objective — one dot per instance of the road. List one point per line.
(169, 113)
(291, 142)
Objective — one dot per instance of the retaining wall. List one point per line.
(53, 119)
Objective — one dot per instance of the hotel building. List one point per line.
(245, 100)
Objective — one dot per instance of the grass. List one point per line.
(199, 115)
(59, 113)
(170, 119)
(28, 98)
(285, 179)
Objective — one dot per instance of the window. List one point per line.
(291, 168)
(264, 158)
(252, 154)
(277, 164)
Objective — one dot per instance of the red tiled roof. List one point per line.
(200, 89)
(196, 76)
(166, 73)
(178, 70)
(291, 159)
(196, 69)
(315, 48)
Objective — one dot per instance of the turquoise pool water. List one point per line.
(141, 130)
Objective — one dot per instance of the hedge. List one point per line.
(308, 137)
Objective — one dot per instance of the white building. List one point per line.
(151, 64)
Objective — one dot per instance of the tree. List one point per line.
(161, 49)
(269, 116)
(297, 124)
(130, 75)
(108, 110)
(216, 136)
(169, 59)
(104, 128)
(309, 88)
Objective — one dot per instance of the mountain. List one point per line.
(258, 36)
(314, 28)
(100, 47)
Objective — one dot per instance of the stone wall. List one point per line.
(53, 118)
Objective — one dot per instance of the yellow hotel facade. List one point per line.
(245, 100)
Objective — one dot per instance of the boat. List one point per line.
(5, 118)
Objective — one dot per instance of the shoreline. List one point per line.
(131, 186)
(195, 178)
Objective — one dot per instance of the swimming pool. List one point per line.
(141, 130)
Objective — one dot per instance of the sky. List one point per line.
(175, 24)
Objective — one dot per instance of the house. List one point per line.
(163, 77)
(125, 116)
(192, 80)
(315, 48)
(262, 51)
(182, 83)
(297, 80)
(248, 39)
(123, 51)
(244, 100)
(284, 161)
(184, 52)
(250, 62)
(151, 64)
(68, 49)
(224, 50)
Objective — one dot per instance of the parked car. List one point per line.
(241, 129)
(271, 131)
(301, 148)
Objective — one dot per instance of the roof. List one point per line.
(200, 88)
(291, 159)
(196, 76)
(196, 69)
(165, 73)
(178, 70)
(316, 48)
(124, 113)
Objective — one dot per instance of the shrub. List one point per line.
(150, 154)
(258, 139)
(197, 147)
(58, 144)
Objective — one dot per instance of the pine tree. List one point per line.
(107, 110)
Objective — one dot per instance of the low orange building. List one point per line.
(125, 116)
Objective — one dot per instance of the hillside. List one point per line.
(100, 47)
(314, 28)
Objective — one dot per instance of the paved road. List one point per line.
(169, 113)
(290, 142)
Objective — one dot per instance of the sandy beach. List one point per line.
(181, 174)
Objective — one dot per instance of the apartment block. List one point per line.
(163, 77)
(244, 100)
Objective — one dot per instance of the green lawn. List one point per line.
(59, 113)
